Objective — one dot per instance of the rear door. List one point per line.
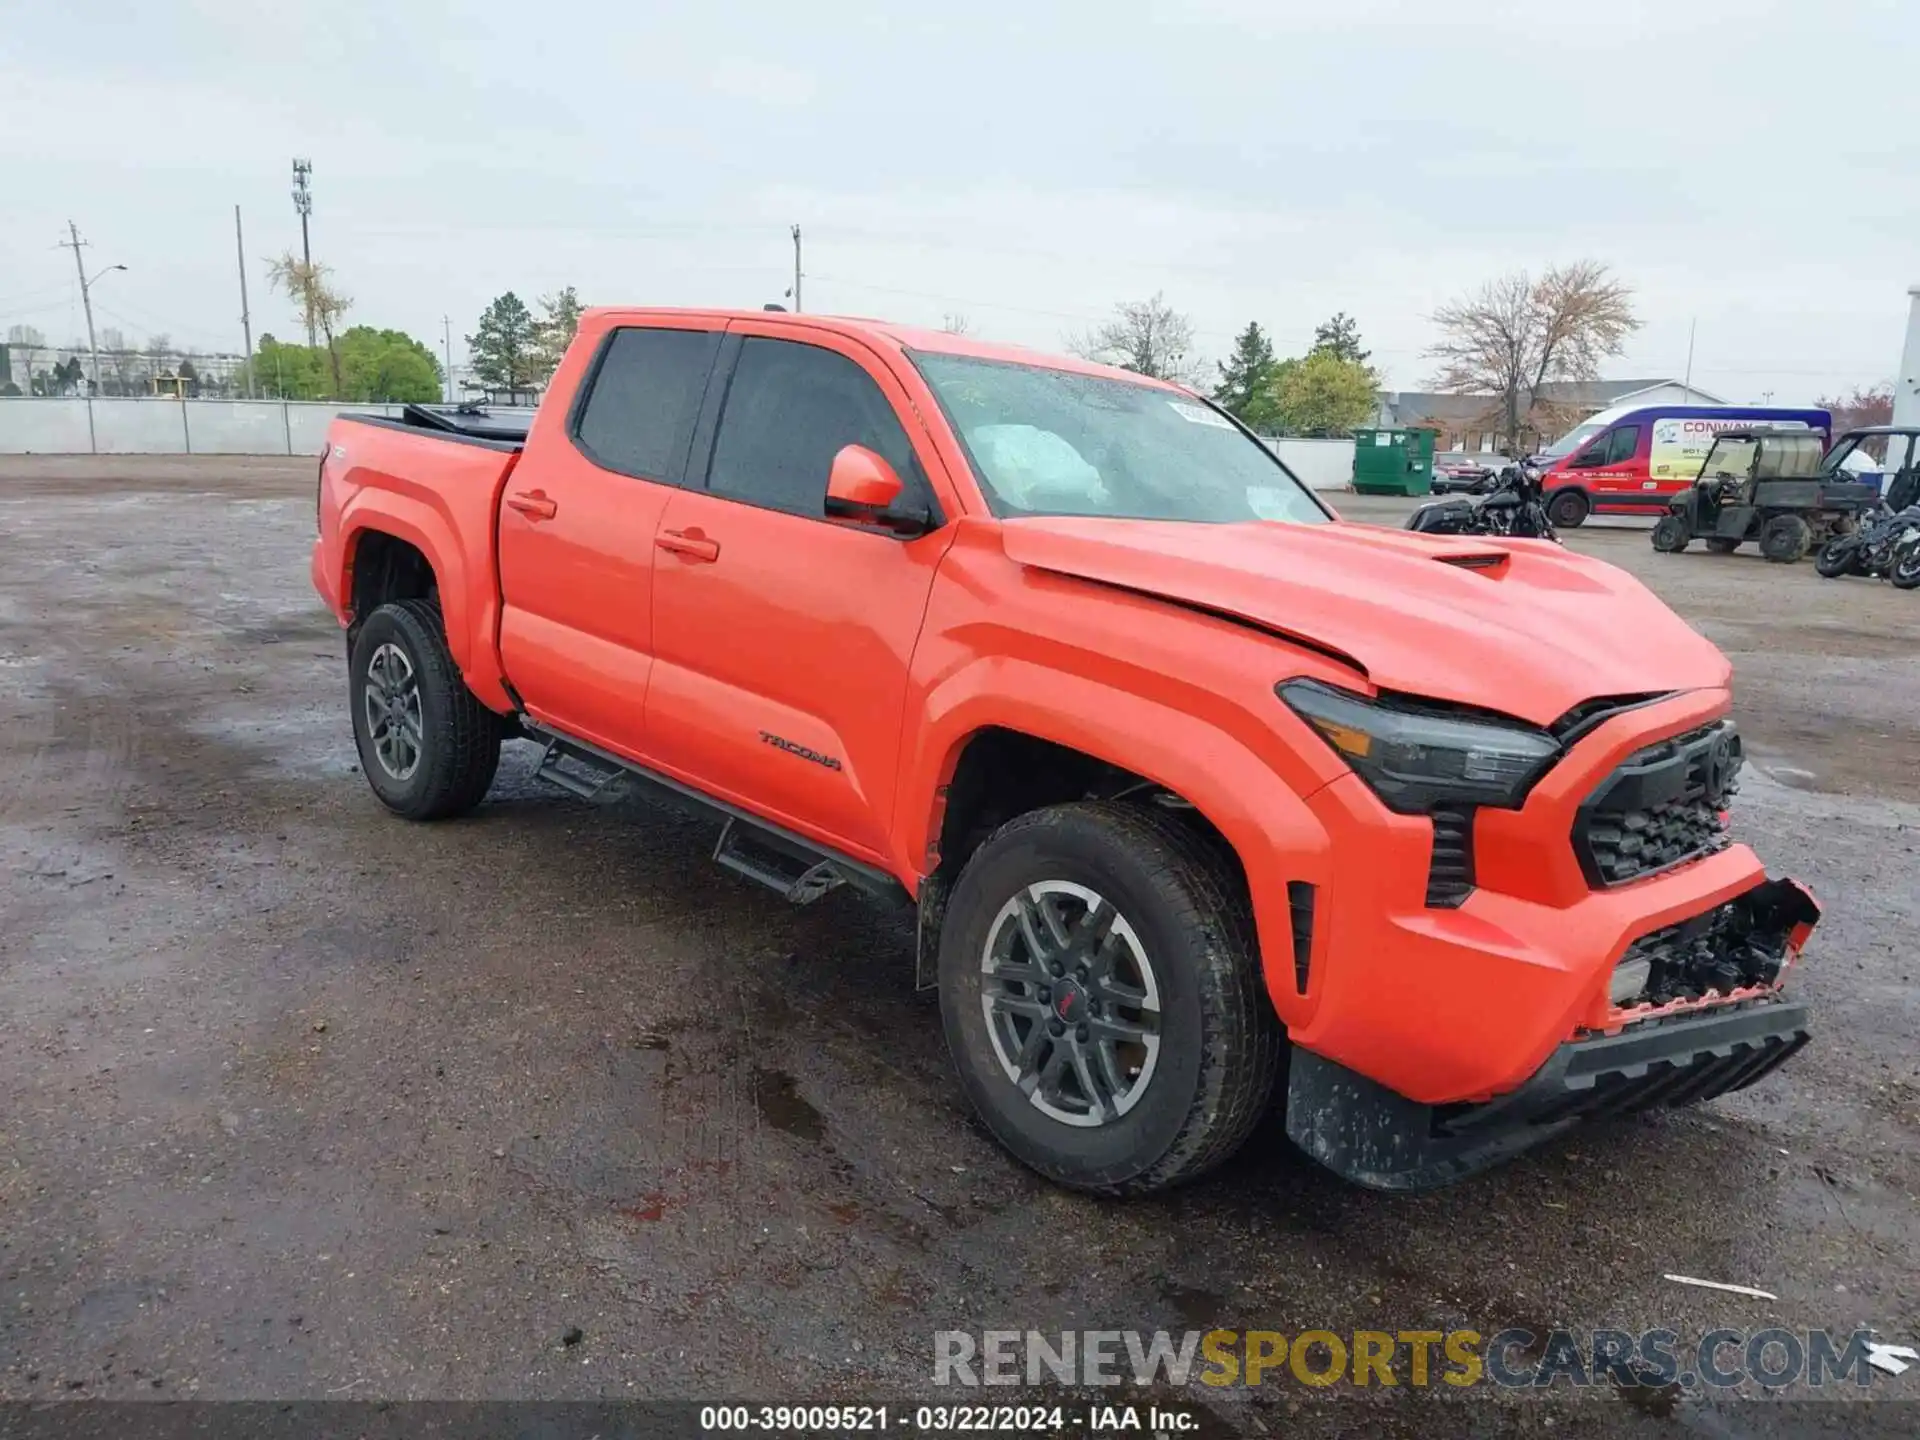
(577, 526)
(782, 638)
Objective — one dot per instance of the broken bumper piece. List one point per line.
(1368, 1134)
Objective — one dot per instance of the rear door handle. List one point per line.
(533, 504)
(689, 545)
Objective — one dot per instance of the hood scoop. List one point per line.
(1491, 563)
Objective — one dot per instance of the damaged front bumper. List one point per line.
(1700, 1044)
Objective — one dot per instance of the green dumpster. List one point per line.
(1393, 462)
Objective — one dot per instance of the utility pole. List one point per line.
(1692, 325)
(303, 206)
(446, 334)
(87, 302)
(246, 316)
(796, 269)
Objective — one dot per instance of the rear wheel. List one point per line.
(1569, 509)
(1102, 998)
(1720, 545)
(428, 746)
(1670, 535)
(1785, 539)
(1836, 557)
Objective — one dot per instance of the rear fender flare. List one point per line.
(429, 531)
(1276, 836)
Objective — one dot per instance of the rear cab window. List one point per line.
(642, 399)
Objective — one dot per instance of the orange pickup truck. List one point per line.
(1200, 792)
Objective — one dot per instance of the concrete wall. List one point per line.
(1322, 464)
(30, 426)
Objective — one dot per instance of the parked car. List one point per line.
(1634, 461)
(1182, 775)
(1464, 472)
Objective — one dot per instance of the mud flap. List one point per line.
(932, 917)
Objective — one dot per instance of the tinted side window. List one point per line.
(639, 416)
(1626, 440)
(790, 409)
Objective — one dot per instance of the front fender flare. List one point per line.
(1271, 828)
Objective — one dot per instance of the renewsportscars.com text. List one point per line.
(1515, 1357)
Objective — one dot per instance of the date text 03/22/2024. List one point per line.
(1097, 1420)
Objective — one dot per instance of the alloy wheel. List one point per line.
(392, 702)
(1071, 1003)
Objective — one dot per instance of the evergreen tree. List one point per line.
(554, 331)
(1341, 337)
(1246, 378)
(503, 347)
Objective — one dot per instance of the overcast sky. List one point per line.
(1751, 165)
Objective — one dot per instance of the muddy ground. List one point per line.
(297, 1100)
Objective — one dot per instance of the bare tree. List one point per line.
(1516, 333)
(309, 285)
(1867, 405)
(954, 323)
(1149, 337)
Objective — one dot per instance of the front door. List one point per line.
(577, 526)
(783, 639)
(1615, 477)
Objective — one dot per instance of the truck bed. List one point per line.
(500, 425)
(437, 489)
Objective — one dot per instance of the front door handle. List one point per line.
(533, 504)
(689, 545)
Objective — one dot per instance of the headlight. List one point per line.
(1420, 760)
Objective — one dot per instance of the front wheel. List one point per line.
(1569, 509)
(1103, 1000)
(1905, 573)
(428, 746)
(1836, 557)
(1670, 535)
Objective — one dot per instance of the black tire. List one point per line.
(1219, 1043)
(1905, 573)
(1720, 545)
(1670, 534)
(1786, 539)
(1836, 557)
(1568, 509)
(458, 746)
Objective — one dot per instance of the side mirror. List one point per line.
(863, 487)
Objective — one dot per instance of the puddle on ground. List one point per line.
(782, 1106)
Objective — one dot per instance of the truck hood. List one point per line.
(1522, 627)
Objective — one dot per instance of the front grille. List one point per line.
(1660, 808)
(1450, 869)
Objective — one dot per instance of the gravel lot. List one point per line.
(297, 1100)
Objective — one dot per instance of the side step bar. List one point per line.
(800, 876)
(801, 870)
(587, 777)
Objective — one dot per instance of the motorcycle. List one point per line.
(1515, 506)
(1870, 548)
